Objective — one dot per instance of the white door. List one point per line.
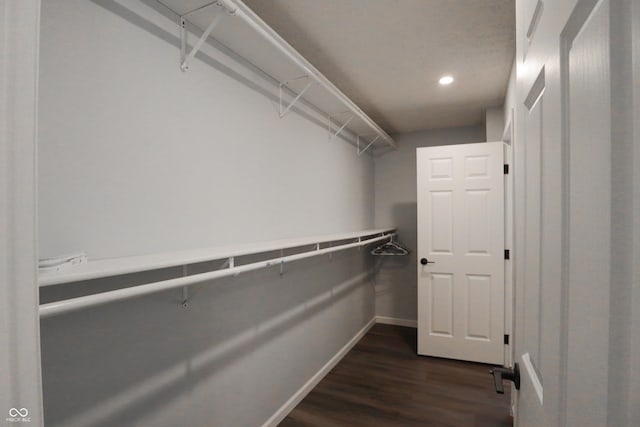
(461, 252)
(574, 82)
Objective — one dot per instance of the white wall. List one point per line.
(494, 123)
(396, 204)
(137, 157)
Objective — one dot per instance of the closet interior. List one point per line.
(187, 159)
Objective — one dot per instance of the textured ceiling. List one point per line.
(387, 55)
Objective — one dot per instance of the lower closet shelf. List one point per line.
(114, 267)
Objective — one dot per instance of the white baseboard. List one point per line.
(284, 410)
(398, 322)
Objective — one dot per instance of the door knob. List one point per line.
(425, 261)
(500, 374)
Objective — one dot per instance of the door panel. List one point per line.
(533, 227)
(441, 227)
(461, 230)
(478, 238)
(589, 218)
(441, 308)
(563, 212)
(478, 306)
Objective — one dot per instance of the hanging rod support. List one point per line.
(293, 102)
(185, 297)
(367, 147)
(184, 65)
(185, 289)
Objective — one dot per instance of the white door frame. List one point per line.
(20, 376)
(509, 193)
(508, 137)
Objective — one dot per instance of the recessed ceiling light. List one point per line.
(446, 80)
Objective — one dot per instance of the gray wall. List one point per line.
(137, 157)
(243, 347)
(395, 204)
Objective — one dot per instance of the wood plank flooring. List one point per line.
(383, 382)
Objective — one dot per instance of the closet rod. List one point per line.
(73, 304)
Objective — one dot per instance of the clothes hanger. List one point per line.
(390, 248)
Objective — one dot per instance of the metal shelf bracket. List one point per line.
(335, 134)
(298, 96)
(361, 152)
(186, 57)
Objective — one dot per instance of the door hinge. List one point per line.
(507, 254)
(506, 169)
(506, 340)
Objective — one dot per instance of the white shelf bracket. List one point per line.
(368, 145)
(297, 98)
(341, 128)
(185, 58)
(228, 263)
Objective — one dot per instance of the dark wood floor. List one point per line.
(382, 382)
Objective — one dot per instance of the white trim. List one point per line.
(509, 236)
(535, 381)
(20, 378)
(396, 321)
(297, 397)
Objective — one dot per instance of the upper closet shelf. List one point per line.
(238, 28)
